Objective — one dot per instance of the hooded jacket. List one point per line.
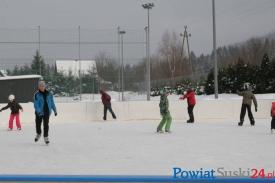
(14, 107)
(191, 99)
(105, 98)
(248, 96)
(164, 105)
(273, 109)
(39, 103)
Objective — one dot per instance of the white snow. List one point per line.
(133, 148)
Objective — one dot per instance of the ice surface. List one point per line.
(133, 148)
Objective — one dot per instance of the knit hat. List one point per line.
(11, 97)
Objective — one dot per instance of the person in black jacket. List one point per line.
(14, 107)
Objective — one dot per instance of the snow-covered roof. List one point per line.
(20, 77)
(73, 66)
(3, 73)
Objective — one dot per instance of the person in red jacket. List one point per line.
(106, 100)
(191, 100)
(273, 117)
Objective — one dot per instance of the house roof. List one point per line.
(73, 66)
(20, 77)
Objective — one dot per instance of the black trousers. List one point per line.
(250, 115)
(38, 122)
(190, 112)
(273, 123)
(108, 107)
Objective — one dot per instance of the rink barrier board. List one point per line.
(107, 178)
(205, 111)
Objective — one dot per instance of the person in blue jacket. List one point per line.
(43, 105)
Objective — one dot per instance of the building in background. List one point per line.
(23, 87)
(73, 67)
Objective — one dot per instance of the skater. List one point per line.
(273, 117)
(106, 100)
(248, 96)
(14, 107)
(164, 111)
(191, 101)
(43, 104)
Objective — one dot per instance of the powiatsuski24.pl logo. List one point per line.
(253, 173)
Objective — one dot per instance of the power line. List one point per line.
(69, 42)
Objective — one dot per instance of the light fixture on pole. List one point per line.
(148, 6)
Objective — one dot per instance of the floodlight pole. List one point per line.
(148, 6)
(215, 52)
(40, 66)
(121, 32)
(119, 60)
(79, 62)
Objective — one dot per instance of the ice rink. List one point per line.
(133, 148)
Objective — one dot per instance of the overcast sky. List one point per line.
(237, 20)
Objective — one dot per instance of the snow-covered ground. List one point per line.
(133, 96)
(133, 148)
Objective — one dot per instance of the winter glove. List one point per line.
(256, 109)
(55, 113)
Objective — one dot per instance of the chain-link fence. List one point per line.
(77, 63)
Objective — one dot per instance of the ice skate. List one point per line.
(240, 124)
(168, 131)
(37, 137)
(160, 131)
(47, 141)
(9, 129)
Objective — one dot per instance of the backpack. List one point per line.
(273, 109)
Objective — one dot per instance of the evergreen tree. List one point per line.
(264, 75)
(209, 85)
(38, 65)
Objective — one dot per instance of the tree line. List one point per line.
(249, 61)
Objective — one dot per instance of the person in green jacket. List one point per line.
(164, 111)
(248, 97)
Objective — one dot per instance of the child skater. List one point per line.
(14, 107)
(273, 117)
(164, 111)
(191, 101)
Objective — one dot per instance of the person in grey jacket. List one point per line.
(248, 97)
